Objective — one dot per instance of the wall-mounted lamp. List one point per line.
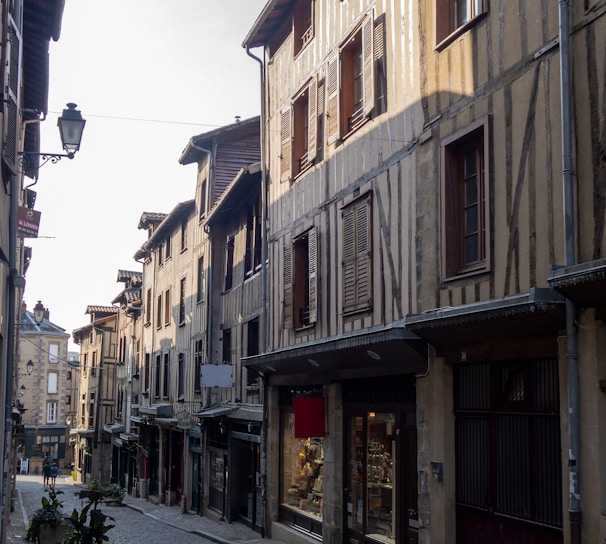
(39, 311)
(71, 126)
(22, 390)
(29, 367)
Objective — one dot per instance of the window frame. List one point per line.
(182, 302)
(198, 360)
(53, 353)
(200, 278)
(303, 25)
(167, 308)
(229, 263)
(52, 385)
(454, 266)
(51, 411)
(447, 28)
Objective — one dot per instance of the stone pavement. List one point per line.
(220, 532)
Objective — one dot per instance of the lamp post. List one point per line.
(71, 126)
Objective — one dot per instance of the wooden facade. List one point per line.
(420, 146)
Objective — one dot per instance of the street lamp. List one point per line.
(39, 311)
(22, 390)
(71, 125)
(29, 367)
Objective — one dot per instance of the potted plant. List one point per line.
(47, 525)
(89, 526)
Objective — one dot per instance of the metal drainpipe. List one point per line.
(209, 279)
(99, 431)
(263, 322)
(574, 465)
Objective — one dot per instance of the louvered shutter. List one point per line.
(349, 260)
(286, 145)
(368, 65)
(333, 103)
(12, 86)
(288, 287)
(363, 263)
(312, 126)
(312, 245)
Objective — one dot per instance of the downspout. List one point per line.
(209, 279)
(263, 321)
(574, 468)
(99, 431)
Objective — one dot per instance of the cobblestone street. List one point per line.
(139, 521)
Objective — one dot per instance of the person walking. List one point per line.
(46, 471)
(54, 470)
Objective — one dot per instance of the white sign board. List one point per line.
(216, 375)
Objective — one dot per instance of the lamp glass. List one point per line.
(29, 366)
(71, 125)
(39, 312)
(22, 390)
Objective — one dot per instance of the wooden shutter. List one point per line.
(288, 287)
(312, 126)
(12, 86)
(333, 100)
(368, 65)
(312, 257)
(363, 247)
(286, 145)
(349, 261)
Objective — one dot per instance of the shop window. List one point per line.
(452, 15)
(465, 202)
(357, 256)
(353, 83)
(301, 281)
(303, 470)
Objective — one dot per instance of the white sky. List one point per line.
(179, 61)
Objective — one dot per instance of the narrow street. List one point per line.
(139, 521)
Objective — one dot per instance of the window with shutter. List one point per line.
(286, 146)
(305, 128)
(304, 284)
(452, 15)
(357, 256)
(12, 84)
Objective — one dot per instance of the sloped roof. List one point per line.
(268, 23)
(130, 277)
(150, 218)
(28, 325)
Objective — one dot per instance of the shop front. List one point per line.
(342, 414)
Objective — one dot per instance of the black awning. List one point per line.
(583, 283)
(369, 352)
(539, 312)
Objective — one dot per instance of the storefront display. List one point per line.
(303, 467)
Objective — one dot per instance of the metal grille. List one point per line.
(508, 456)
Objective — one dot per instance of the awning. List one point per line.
(157, 410)
(86, 432)
(113, 429)
(249, 412)
(583, 283)
(385, 350)
(539, 312)
(129, 437)
(167, 421)
(216, 411)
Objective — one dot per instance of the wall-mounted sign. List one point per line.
(216, 375)
(28, 222)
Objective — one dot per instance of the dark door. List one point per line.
(243, 471)
(196, 482)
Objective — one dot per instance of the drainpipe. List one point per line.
(263, 321)
(574, 466)
(99, 430)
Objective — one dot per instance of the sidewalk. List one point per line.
(220, 532)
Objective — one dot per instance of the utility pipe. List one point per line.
(574, 442)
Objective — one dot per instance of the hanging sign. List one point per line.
(28, 222)
(309, 417)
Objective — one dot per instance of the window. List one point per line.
(167, 307)
(202, 199)
(51, 412)
(252, 258)
(157, 375)
(159, 311)
(183, 236)
(52, 382)
(200, 289)
(53, 353)
(227, 346)
(148, 306)
(167, 249)
(303, 24)
(68, 399)
(465, 204)
(146, 372)
(352, 86)
(252, 348)
(198, 357)
(357, 255)
(229, 266)
(301, 281)
(69, 375)
(166, 375)
(160, 253)
(93, 368)
(182, 302)
(454, 14)
(181, 377)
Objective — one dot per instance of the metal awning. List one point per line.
(385, 350)
(86, 432)
(216, 411)
(249, 412)
(113, 429)
(157, 410)
(167, 420)
(129, 437)
(538, 312)
(583, 283)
